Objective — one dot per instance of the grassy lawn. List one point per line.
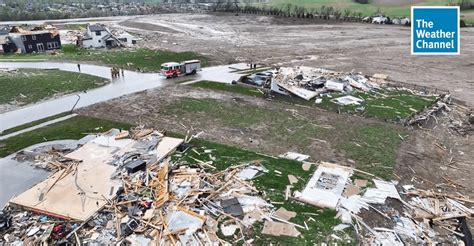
(74, 128)
(372, 146)
(145, 60)
(249, 91)
(387, 105)
(272, 184)
(33, 123)
(395, 9)
(32, 85)
(75, 26)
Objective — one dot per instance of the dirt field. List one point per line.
(342, 46)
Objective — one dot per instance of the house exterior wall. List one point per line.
(95, 40)
(34, 42)
(29, 43)
(127, 40)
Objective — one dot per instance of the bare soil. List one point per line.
(342, 46)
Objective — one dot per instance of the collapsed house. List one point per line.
(98, 36)
(125, 188)
(307, 82)
(37, 40)
(381, 216)
(122, 187)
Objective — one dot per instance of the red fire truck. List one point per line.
(174, 69)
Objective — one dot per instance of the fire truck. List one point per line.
(174, 69)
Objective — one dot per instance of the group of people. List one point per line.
(114, 71)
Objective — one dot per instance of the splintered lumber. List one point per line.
(142, 133)
(122, 135)
(161, 180)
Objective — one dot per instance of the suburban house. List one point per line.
(19, 40)
(98, 36)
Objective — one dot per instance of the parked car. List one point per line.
(265, 74)
(254, 80)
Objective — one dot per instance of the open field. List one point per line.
(392, 8)
(274, 41)
(26, 86)
(144, 60)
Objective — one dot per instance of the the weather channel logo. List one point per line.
(435, 30)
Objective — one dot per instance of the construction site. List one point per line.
(275, 131)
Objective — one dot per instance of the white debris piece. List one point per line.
(375, 196)
(389, 187)
(340, 227)
(348, 100)
(325, 187)
(349, 206)
(294, 156)
(179, 220)
(229, 230)
(334, 86)
(300, 92)
(247, 173)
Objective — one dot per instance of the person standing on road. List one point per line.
(123, 72)
(79, 67)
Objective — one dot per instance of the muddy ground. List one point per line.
(367, 48)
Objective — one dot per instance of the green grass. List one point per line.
(75, 26)
(144, 60)
(224, 114)
(33, 123)
(379, 141)
(373, 147)
(74, 128)
(32, 85)
(386, 105)
(394, 10)
(244, 90)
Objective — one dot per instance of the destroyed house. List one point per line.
(97, 36)
(31, 41)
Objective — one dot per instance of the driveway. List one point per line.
(131, 82)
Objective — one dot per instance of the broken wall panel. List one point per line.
(325, 187)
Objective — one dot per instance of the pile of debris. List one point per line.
(380, 215)
(123, 187)
(307, 83)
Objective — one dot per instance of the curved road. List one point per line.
(132, 82)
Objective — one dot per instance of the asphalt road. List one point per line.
(131, 82)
